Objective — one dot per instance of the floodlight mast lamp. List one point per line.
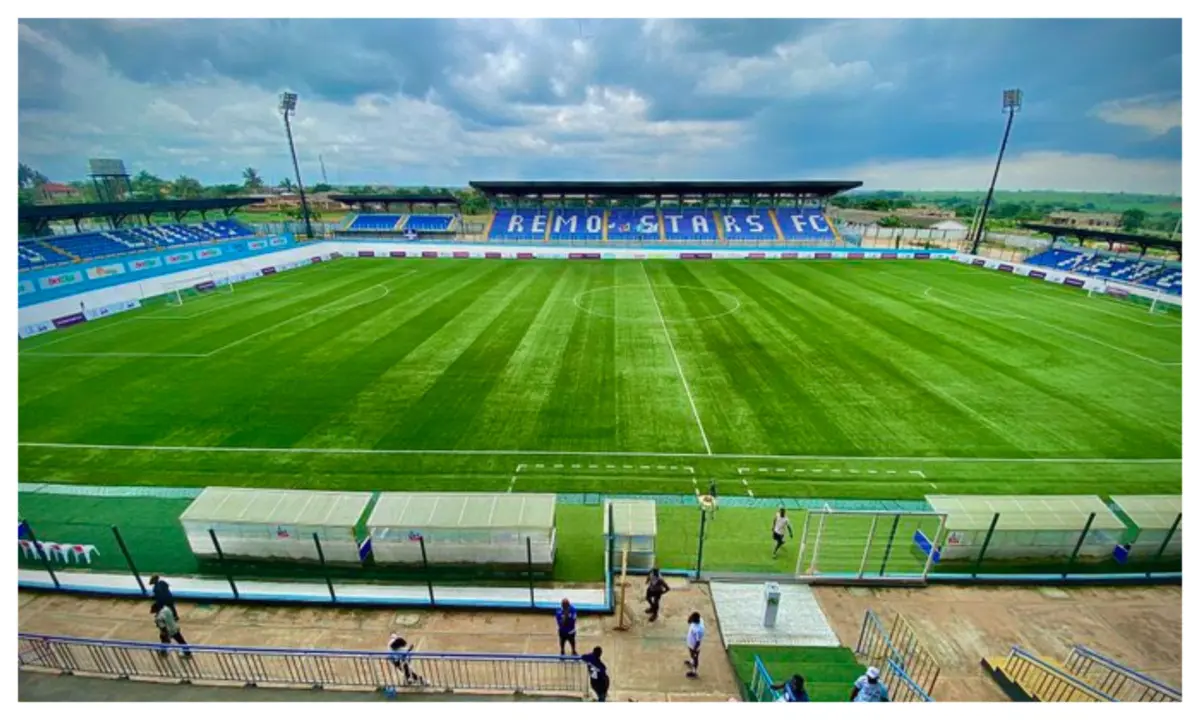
(287, 106)
(1012, 103)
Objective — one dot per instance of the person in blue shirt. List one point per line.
(565, 617)
(869, 688)
(597, 673)
(793, 690)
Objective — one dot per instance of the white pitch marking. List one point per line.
(114, 355)
(743, 470)
(576, 467)
(521, 467)
(933, 485)
(593, 467)
(689, 469)
(611, 467)
(558, 466)
(750, 492)
(68, 336)
(595, 453)
(1091, 306)
(628, 467)
(674, 467)
(799, 470)
(918, 473)
(872, 472)
(645, 467)
(763, 470)
(539, 466)
(511, 483)
(816, 470)
(891, 472)
(678, 366)
(836, 470)
(660, 467)
(853, 472)
(780, 470)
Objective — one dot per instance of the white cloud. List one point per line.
(1026, 171)
(1154, 114)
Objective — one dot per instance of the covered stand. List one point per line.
(275, 524)
(1029, 526)
(634, 524)
(463, 529)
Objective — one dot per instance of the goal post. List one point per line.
(1154, 300)
(178, 292)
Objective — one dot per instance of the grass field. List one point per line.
(820, 379)
(829, 673)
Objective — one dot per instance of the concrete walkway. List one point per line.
(645, 662)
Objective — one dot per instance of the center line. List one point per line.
(678, 367)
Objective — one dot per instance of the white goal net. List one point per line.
(178, 292)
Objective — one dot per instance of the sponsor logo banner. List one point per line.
(35, 329)
(206, 285)
(24, 287)
(398, 253)
(459, 254)
(979, 262)
(823, 256)
(68, 320)
(335, 256)
(180, 258)
(428, 254)
(145, 264)
(1073, 282)
(492, 255)
(256, 244)
(270, 270)
(888, 256)
(207, 253)
(93, 313)
(1005, 268)
(695, 256)
(315, 260)
(757, 256)
(855, 256)
(524, 256)
(278, 242)
(789, 255)
(1037, 274)
(1117, 292)
(639, 256)
(583, 256)
(67, 278)
(366, 253)
(103, 271)
(921, 255)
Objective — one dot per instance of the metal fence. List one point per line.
(1114, 679)
(1044, 682)
(423, 671)
(908, 670)
(868, 545)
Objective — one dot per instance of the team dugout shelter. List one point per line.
(1112, 238)
(709, 212)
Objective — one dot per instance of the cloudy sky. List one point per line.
(897, 104)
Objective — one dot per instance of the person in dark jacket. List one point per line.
(597, 673)
(565, 616)
(162, 594)
(793, 690)
(656, 587)
(400, 653)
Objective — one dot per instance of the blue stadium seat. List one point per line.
(429, 223)
(375, 223)
(805, 225)
(33, 254)
(633, 224)
(577, 224)
(519, 225)
(751, 226)
(1147, 273)
(689, 224)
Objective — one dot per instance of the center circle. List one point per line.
(641, 306)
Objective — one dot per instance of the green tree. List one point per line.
(891, 221)
(1133, 219)
(251, 179)
(147, 186)
(286, 184)
(322, 187)
(186, 187)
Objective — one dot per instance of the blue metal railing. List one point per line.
(1111, 677)
(761, 689)
(1045, 682)
(908, 669)
(427, 671)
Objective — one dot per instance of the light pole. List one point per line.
(1012, 103)
(287, 106)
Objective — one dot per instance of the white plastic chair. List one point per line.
(27, 548)
(83, 552)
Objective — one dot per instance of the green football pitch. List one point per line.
(837, 379)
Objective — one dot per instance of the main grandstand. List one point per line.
(1156, 274)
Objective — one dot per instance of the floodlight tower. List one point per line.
(287, 106)
(1012, 103)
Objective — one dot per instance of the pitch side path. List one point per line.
(821, 379)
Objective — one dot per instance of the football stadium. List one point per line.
(598, 378)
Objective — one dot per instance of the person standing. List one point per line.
(566, 616)
(597, 673)
(168, 629)
(869, 688)
(400, 655)
(695, 636)
(782, 523)
(656, 587)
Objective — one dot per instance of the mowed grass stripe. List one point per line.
(443, 413)
(881, 398)
(961, 352)
(1070, 397)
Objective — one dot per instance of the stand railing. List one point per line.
(1113, 678)
(1046, 683)
(899, 653)
(425, 671)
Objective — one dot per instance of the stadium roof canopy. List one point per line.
(463, 510)
(39, 215)
(1111, 237)
(797, 188)
(399, 199)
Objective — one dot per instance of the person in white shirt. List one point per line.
(782, 522)
(869, 688)
(695, 636)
